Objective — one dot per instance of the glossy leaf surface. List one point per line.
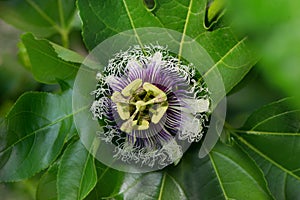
(231, 54)
(271, 136)
(77, 174)
(36, 130)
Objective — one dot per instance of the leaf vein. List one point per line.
(82, 177)
(131, 22)
(223, 57)
(42, 128)
(251, 132)
(218, 176)
(273, 117)
(162, 186)
(99, 17)
(43, 14)
(266, 157)
(185, 27)
(241, 169)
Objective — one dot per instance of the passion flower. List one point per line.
(148, 101)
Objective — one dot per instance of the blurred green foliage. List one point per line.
(273, 27)
(14, 79)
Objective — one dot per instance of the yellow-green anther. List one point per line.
(160, 96)
(128, 125)
(158, 99)
(158, 113)
(143, 126)
(124, 103)
(132, 87)
(123, 110)
(117, 97)
(148, 86)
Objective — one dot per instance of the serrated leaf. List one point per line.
(271, 136)
(232, 56)
(36, 129)
(43, 18)
(46, 189)
(49, 62)
(77, 174)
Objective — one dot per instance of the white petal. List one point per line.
(173, 150)
(202, 105)
(156, 58)
(196, 105)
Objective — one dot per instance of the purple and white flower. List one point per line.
(148, 101)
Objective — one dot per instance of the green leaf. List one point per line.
(99, 22)
(49, 62)
(232, 55)
(43, 18)
(271, 136)
(114, 184)
(77, 174)
(227, 173)
(109, 182)
(46, 189)
(36, 130)
(155, 185)
(234, 169)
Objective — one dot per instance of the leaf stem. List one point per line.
(43, 14)
(63, 30)
(65, 37)
(254, 132)
(61, 14)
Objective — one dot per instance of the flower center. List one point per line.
(138, 104)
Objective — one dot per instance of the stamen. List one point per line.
(128, 125)
(133, 86)
(141, 96)
(118, 98)
(123, 110)
(158, 112)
